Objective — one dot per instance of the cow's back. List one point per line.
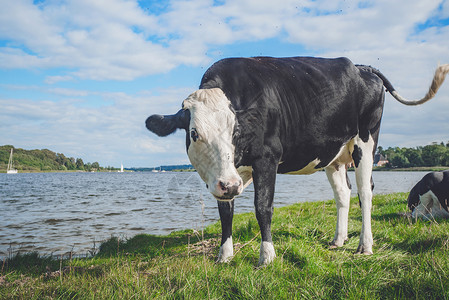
(316, 105)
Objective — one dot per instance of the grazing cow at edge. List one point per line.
(255, 117)
(429, 197)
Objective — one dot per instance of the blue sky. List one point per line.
(80, 77)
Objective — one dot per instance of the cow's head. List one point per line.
(209, 121)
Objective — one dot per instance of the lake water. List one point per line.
(63, 212)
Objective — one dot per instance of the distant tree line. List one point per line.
(422, 156)
(171, 168)
(45, 160)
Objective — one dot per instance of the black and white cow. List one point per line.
(255, 117)
(429, 198)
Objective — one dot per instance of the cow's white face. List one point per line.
(211, 151)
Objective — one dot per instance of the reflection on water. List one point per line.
(63, 212)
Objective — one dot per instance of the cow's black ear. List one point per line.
(165, 125)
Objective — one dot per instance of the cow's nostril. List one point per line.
(223, 186)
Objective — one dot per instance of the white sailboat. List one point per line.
(10, 169)
(121, 168)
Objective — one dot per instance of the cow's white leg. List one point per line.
(226, 251)
(342, 194)
(363, 160)
(267, 253)
(226, 210)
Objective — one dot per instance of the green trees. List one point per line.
(422, 156)
(79, 164)
(43, 160)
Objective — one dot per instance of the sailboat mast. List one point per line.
(10, 169)
(10, 161)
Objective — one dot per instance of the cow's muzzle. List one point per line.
(227, 190)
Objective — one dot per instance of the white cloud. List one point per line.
(445, 10)
(97, 38)
(56, 79)
(68, 92)
(24, 23)
(384, 23)
(119, 40)
(12, 58)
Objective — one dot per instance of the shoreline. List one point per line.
(63, 171)
(97, 244)
(375, 169)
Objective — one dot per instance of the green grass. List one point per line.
(410, 261)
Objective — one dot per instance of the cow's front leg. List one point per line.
(264, 181)
(226, 210)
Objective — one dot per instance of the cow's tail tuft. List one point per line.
(438, 79)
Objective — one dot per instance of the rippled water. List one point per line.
(62, 212)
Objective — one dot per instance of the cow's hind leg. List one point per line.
(342, 192)
(363, 161)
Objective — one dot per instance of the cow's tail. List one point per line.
(438, 78)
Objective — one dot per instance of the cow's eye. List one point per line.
(194, 134)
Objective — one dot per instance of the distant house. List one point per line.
(380, 160)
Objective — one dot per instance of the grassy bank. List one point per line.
(411, 261)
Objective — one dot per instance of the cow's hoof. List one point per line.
(364, 250)
(267, 254)
(337, 244)
(223, 260)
